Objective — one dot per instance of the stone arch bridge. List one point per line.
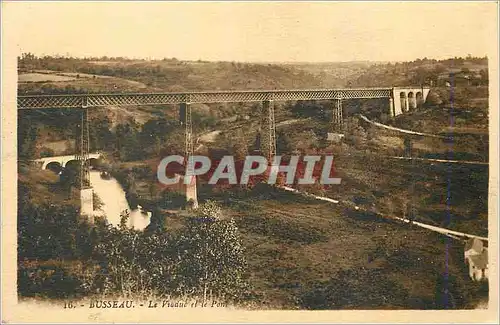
(62, 161)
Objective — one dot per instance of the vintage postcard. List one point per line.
(213, 162)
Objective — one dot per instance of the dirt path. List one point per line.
(467, 162)
(209, 136)
(288, 122)
(392, 128)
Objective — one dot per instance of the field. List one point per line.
(40, 77)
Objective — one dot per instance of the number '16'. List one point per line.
(68, 304)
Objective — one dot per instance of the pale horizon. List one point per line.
(258, 32)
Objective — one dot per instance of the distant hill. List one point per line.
(335, 74)
(47, 74)
(470, 71)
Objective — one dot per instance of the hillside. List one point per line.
(176, 75)
(335, 74)
(52, 81)
(459, 71)
(313, 255)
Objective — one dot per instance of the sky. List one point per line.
(254, 31)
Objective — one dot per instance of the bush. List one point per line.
(51, 232)
(173, 200)
(46, 152)
(204, 259)
(97, 202)
(51, 281)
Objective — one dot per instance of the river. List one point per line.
(112, 195)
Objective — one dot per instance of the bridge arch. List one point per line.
(72, 164)
(403, 100)
(63, 160)
(419, 99)
(412, 104)
(54, 166)
(92, 162)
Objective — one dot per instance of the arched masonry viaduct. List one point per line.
(62, 160)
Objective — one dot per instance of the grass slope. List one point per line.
(310, 254)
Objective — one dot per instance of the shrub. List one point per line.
(97, 202)
(203, 259)
(46, 152)
(50, 232)
(211, 260)
(51, 281)
(173, 200)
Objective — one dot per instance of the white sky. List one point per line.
(255, 31)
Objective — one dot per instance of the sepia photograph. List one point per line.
(219, 160)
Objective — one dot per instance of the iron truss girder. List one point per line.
(102, 100)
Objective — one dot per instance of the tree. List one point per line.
(240, 151)
(157, 129)
(283, 143)
(96, 200)
(121, 253)
(212, 260)
(157, 220)
(421, 75)
(46, 152)
(152, 190)
(355, 133)
(46, 231)
(28, 139)
(157, 146)
(173, 199)
(69, 176)
(304, 109)
(174, 144)
(127, 141)
(257, 142)
(100, 134)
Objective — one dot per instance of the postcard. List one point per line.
(283, 162)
